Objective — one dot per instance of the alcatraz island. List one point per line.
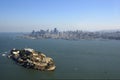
(31, 59)
(73, 35)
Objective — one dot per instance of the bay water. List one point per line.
(83, 59)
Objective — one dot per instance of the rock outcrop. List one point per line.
(32, 59)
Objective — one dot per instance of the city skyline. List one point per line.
(28, 15)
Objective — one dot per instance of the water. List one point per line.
(84, 59)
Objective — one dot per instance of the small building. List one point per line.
(28, 49)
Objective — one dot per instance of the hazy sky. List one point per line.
(26, 15)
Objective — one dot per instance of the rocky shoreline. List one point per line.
(29, 58)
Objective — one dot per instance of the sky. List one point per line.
(28, 15)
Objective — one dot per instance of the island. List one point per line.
(31, 59)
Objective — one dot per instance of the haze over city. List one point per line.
(28, 15)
